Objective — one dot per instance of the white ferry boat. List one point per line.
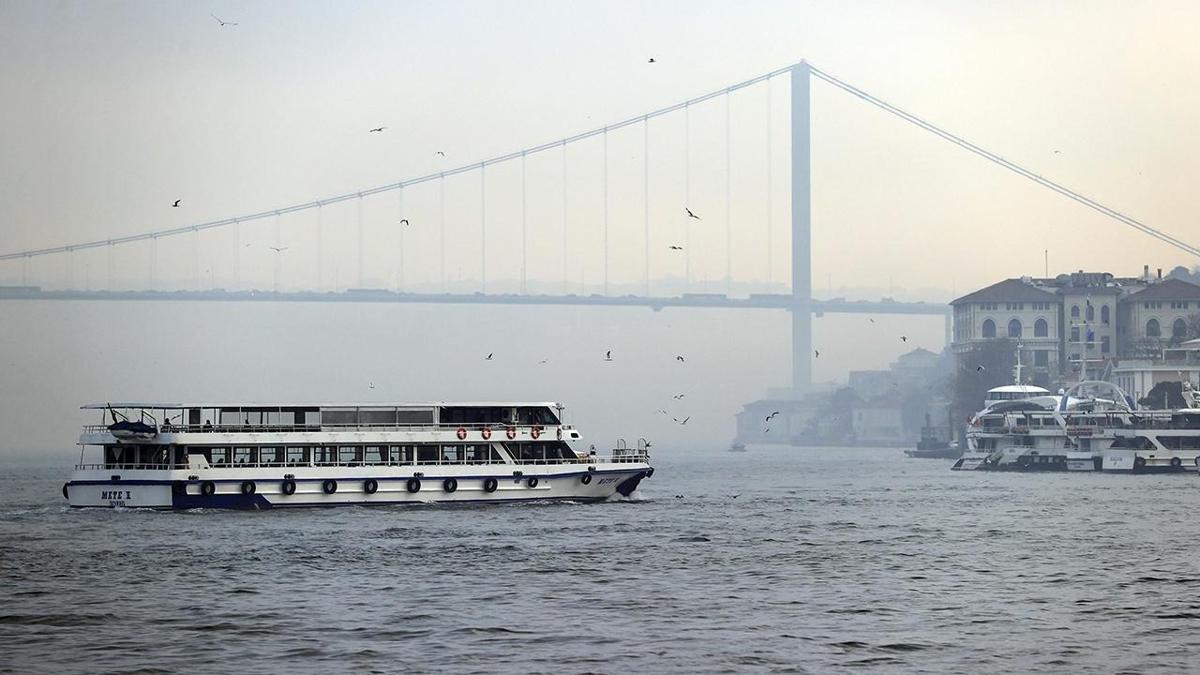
(1091, 427)
(265, 456)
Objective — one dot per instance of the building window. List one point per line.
(1104, 344)
(1104, 314)
(1090, 313)
(1041, 328)
(1074, 311)
(1152, 329)
(1074, 333)
(989, 329)
(1041, 358)
(1014, 329)
(1179, 329)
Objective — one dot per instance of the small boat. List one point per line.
(932, 447)
(737, 447)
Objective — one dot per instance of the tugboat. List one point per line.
(932, 447)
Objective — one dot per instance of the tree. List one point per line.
(1164, 395)
(971, 382)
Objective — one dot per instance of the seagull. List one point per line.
(677, 396)
(608, 355)
(404, 221)
(223, 23)
(871, 320)
(980, 369)
(690, 214)
(904, 338)
(651, 60)
(370, 385)
(375, 130)
(816, 353)
(772, 415)
(278, 249)
(441, 153)
(488, 357)
(647, 445)
(767, 430)
(679, 359)
(683, 421)
(1058, 152)
(176, 204)
(542, 361)
(661, 411)
(675, 248)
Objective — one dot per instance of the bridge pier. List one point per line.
(801, 231)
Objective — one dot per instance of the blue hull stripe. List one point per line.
(380, 479)
(248, 502)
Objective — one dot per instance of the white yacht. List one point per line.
(264, 456)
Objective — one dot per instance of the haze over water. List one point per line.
(854, 560)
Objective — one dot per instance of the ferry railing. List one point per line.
(497, 431)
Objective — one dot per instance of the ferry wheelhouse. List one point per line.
(263, 456)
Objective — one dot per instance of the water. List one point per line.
(825, 561)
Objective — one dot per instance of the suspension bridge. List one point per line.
(590, 228)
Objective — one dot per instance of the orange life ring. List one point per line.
(535, 431)
(511, 432)
(462, 434)
(486, 432)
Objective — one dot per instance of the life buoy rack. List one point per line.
(486, 432)
(1176, 462)
(207, 488)
(413, 485)
(535, 431)
(511, 433)
(462, 433)
(450, 485)
(329, 487)
(288, 487)
(490, 485)
(248, 487)
(532, 482)
(585, 478)
(370, 486)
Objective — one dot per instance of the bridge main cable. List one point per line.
(1011, 166)
(563, 142)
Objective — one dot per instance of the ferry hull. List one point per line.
(262, 490)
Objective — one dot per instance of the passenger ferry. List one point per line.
(171, 456)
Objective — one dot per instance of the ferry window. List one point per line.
(989, 329)
(377, 416)
(218, 456)
(1041, 328)
(375, 454)
(451, 454)
(349, 454)
(271, 455)
(297, 455)
(1152, 329)
(414, 417)
(339, 417)
(312, 418)
(427, 454)
(324, 454)
(243, 456)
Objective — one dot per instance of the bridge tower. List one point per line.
(801, 231)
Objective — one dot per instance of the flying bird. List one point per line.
(542, 361)
(683, 421)
(772, 415)
(675, 248)
(767, 430)
(1058, 152)
(370, 385)
(816, 353)
(652, 60)
(980, 369)
(278, 249)
(404, 221)
(690, 214)
(441, 153)
(677, 396)
(904, 338)
(176, 204)
(608, 355)
(375, 130)
(488, 357)
(871, 320)
(661, 411)
(679, 359)
(223, 23)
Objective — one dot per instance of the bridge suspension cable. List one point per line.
(1011, 166)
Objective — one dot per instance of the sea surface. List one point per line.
(773, 560)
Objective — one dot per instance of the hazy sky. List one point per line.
(115, 109)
